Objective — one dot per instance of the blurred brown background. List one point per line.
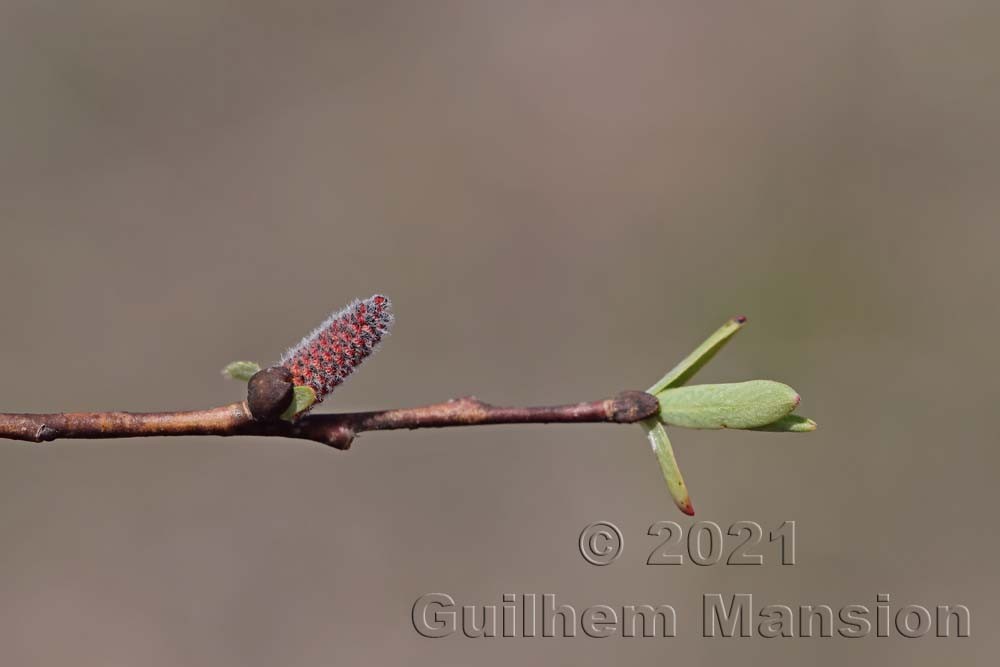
(561, 199)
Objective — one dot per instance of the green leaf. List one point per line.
(789, 424)
(241, 370)
(691, 364)
(668, 464)
(738, 405)
(303, 398)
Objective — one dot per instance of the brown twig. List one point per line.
(335, 430)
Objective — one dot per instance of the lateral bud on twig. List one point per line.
(269, 393)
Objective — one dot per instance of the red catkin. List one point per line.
(328, 355)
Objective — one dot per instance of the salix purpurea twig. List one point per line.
(336, 430)
(280, 398)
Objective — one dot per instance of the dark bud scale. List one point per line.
(269, 392)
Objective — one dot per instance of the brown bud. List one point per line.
(633, 406)
(269, 393)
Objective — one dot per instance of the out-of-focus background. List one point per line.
(561, 199)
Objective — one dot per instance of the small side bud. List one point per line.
(269, 393)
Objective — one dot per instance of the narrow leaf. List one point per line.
(668, 464)
(691, 364)
(303, 398)
(241, 370)
(738, 405)
(789, 424)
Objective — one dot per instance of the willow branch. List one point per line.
(336, 430)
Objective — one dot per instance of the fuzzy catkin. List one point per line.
(327, 356)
